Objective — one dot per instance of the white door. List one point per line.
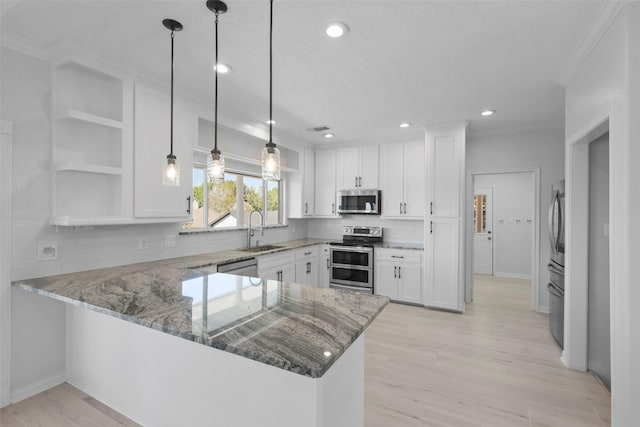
(483, 231)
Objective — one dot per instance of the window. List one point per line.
(230, 203)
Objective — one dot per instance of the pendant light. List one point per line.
(215, 160)
(171, 172)
(270, 153)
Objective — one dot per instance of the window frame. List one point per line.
(239, 197)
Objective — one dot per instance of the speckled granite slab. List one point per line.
(295, 327)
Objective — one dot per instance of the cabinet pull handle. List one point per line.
(405, 208)
(395, 271)
(189, 205)
(431, 208)
(308, 267)
(306, 208)
(333, 208)
(359, 181)
(400, 208)
(399, 272)
(356, 179)
(397, 256)
(327, 263)
(431, 227)
(307, 253)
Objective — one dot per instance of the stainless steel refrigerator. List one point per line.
(556, 263)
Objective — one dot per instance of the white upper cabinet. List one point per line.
(358, 167)
(444, 231)
(301, 187)
(403, 180)
(325, 183)
(151, 146)
(91, 146)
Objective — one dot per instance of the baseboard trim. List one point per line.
(38, 387)
(543, 309)
(5, 393)
(514, 276)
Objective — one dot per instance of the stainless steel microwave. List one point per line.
(359, 202)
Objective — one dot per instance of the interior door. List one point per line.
(483, 231)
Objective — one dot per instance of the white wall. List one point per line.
(524, 150)
(26, 91)
(605, 87)
(512, 222)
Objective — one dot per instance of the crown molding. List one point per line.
(603, 20)
(23, 46)
(517, 131)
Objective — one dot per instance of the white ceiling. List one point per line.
(426, 62)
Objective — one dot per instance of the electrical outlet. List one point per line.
(143, 243)
(47, 252)
(170, 241)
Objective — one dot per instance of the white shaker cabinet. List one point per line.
(279, 266)
(325, 183)
(399, 275)
(324, 269)
(358, 167)
(301, 187)
(444, 228)
(307, 265)
(403, 180)
(151, 146)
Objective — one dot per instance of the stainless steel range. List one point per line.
(351, 261)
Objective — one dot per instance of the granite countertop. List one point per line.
(299, 328)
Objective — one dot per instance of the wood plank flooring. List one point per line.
(496, 365)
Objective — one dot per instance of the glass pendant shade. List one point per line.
(171, 170)
(171, 173)
(215, 167)
(271, 162)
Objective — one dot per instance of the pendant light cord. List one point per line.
(271, 73)
(171, 138)
(215, 132)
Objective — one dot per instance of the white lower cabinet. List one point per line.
(399, 275)
(307, 265)
(324, 269)
(280, 266)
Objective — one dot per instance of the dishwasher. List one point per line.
(246, 267)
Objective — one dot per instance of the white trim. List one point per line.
(535, 241)
(38, 387)
(23, 46)
(517, 131)
(6, 129)
(607, 13)
(574, 354)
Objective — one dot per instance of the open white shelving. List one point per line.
(91, 146)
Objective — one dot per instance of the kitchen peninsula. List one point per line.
(167, 344)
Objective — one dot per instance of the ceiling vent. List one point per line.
(322, 128)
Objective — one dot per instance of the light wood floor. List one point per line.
(496, 365)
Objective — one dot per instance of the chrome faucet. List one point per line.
(250, 231)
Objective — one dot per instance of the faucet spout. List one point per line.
(250, 231)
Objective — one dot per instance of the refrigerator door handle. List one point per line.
(552, 209)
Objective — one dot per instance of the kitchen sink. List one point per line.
(260, 248)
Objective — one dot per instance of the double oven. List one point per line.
(351, 261)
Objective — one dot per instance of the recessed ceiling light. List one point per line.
(337, 29)
(222, 68)
(488, 112)
(327, 354)
(328, 135)
(405, 125)
(271, 122)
